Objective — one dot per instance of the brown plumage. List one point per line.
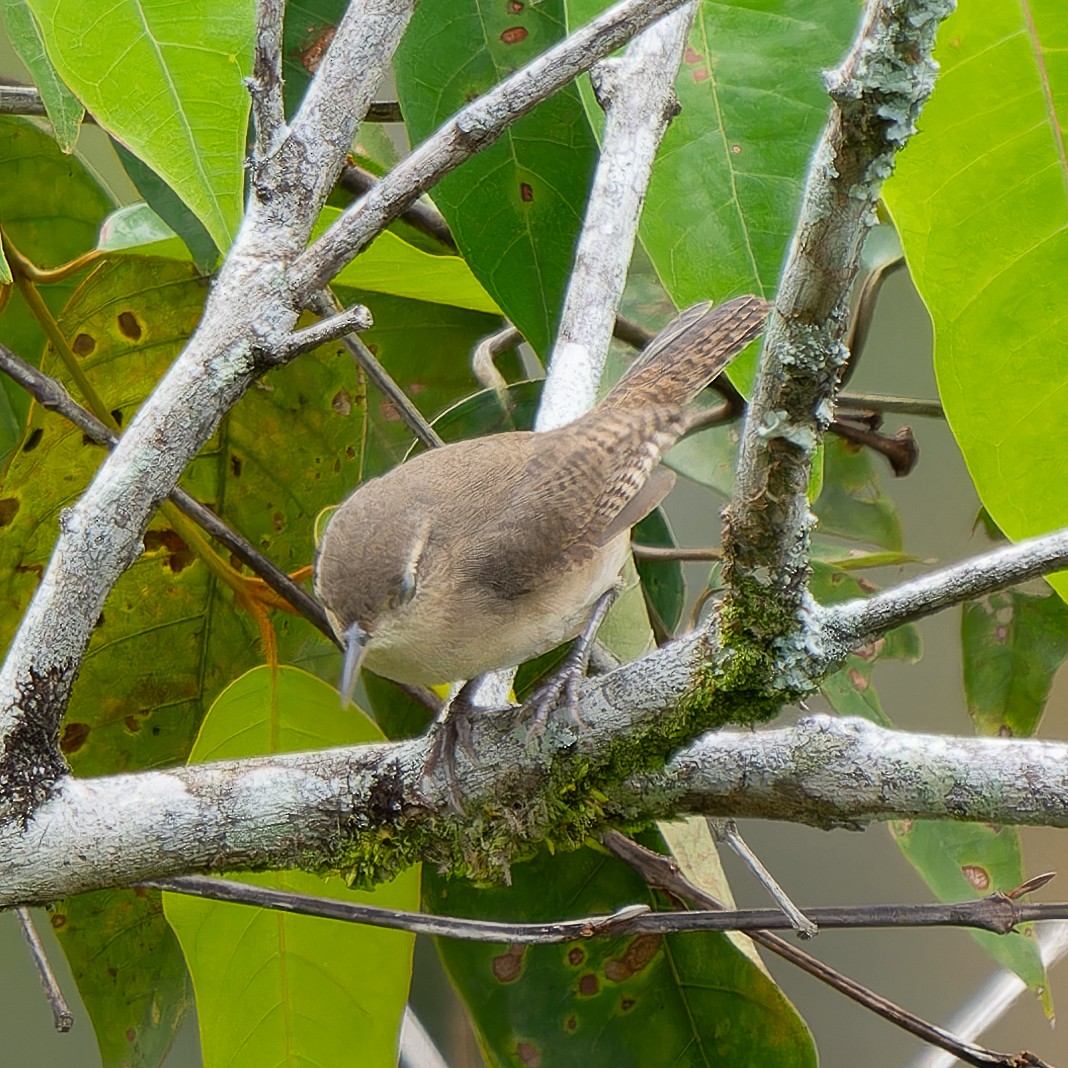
(484, 553)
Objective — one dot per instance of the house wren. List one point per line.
(484, 553)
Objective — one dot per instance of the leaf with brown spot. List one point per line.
(51, 208)
(521, 251)
(129, 971)
(129, 327)
(966, 860)
(641, 1000)
(1013, 643)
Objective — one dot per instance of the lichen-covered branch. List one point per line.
(362, 809)
(877, 95)
(830, 772)
(849, 623)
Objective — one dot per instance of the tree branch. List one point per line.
(637, 92)
(365, 809)
(808, 774)
(248, 306)
(998, 913)
(849, 623)
(877, 95)
(265, 85)
(478, 125)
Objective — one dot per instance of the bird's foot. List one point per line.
(562, 688)
(449, 732)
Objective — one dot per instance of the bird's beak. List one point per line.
(355, 645)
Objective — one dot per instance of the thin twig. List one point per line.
(878, 402)
(51, 395)
(419, 214)
(482, 359)
(997, 913)
(62, 1017)
(325, 304)
(665, 552)
(662, 873)
(343, 323)
(726, 831)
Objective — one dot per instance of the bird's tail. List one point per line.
(688, 353)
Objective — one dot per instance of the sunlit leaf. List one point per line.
(167, 81)
(981, 204)
(273, 987)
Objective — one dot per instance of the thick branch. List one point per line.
(809, 774)
(478, 125)
(877, 94)
(242, 814)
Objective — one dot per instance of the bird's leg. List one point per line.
(566, 679)
(452, 728)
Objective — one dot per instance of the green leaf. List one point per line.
(50, 207)
(392, 265)
(277, 988)
(681, 1000)
(981, 206)
(515, 209)
(171, 210)
(65, 111)
(852, 503)
(959, 861)
(129, 970)
(662, 580)
(136, 227)
(725, 192)
(166, 80)
(1013, 644)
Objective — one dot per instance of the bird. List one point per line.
(484, 553)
